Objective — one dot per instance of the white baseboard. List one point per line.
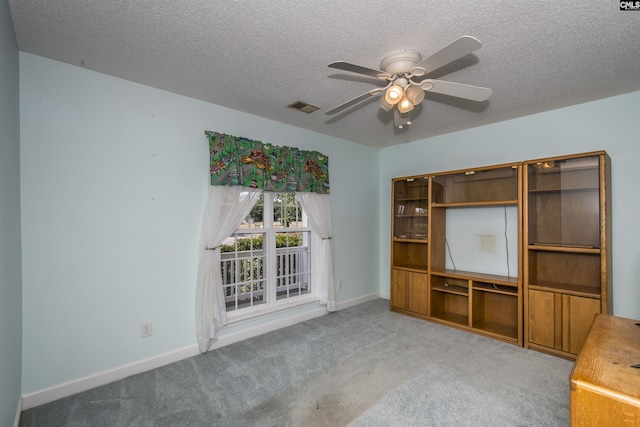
(69, 388)
(385, 295)
(16, 420)
(355, 301)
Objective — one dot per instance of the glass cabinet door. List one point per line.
(564, 202)
(410, 210)
(563, 225)
(477, 186)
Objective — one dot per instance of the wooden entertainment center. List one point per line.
(561, 277)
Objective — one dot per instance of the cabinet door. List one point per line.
(577, 314)
(559, 321)
(409, 291)
(545, 314)
(418, 293)
(400, 289)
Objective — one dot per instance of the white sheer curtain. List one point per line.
(318, 209)
(224, 211)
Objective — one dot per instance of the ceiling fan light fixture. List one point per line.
(414, 94)
(382, 102)
(394, 94)
(404, 106)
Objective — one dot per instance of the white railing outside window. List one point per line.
(244, 276)
(292, 271)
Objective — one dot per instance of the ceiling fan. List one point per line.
(406, 75)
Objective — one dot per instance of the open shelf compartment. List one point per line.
(449, 299)
(410, 255)
(571, 273)
(495, 309)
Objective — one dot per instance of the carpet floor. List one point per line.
(362, 366)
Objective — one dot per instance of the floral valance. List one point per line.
(242, 161)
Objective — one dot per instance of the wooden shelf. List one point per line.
(499, 329)
(459, 319)
(496, 289)
(412, 199)
(451, 289)
(481, 277)
(567, 289)
(474, 204)
(414, 268)
(562, 190)
(579, 249)
(405, 240)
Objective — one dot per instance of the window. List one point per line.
(267, 261)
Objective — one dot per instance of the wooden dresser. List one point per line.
(605, 389)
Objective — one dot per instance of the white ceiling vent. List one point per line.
(303, 106)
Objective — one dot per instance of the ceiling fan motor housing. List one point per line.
(400, 62)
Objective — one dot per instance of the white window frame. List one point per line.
(272, 304)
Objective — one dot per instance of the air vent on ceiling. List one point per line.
(303, 106)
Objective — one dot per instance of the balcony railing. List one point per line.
(244, 275)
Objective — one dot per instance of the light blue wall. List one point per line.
(10, 254)
(114, 178)
(610, 124)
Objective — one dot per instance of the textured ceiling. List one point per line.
(259, 56)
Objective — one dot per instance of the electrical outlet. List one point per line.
(340, 285)
(146, 329)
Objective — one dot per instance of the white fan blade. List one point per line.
(355, 100)
(346, 66)
(456, 50)
(474, 93)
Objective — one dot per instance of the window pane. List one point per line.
(252, 271)
(255, 219)
(287, 211)
(243, 272)
(293, 264)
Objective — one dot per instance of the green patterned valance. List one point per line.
(241, 161)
